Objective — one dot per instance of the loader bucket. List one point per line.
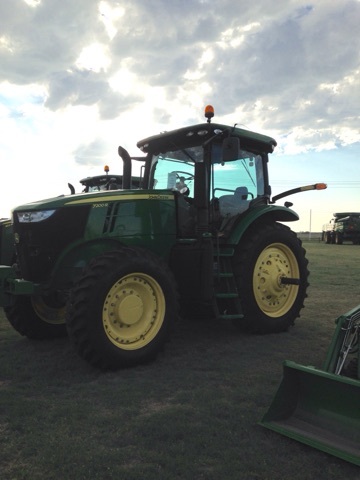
(319, 409)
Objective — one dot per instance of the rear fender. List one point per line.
(263, 213)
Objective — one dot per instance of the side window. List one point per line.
(173, 174)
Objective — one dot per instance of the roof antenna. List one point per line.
(209, 112)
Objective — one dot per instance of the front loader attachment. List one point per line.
(321, 408)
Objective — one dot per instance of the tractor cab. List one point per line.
(209, 187)
(216, 173)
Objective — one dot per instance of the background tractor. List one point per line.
(111, 267)
(342, 227)
(99, 183)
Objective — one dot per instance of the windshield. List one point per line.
(175, 170)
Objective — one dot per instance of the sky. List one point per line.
(79, 78)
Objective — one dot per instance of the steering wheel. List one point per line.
(184, 191)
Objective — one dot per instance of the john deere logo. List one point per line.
(160, 197)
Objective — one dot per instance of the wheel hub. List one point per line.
(274, 263)
(133, 311)
(130, 308)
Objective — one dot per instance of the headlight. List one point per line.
(32, 217)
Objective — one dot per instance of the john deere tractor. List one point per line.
(103, 182)
(112, 268)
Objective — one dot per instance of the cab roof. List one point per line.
(198, 134)
(346, 214)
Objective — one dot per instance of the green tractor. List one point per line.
(104, 182)
(112, 267)
(343, 227)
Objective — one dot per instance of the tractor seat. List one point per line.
(230, 205)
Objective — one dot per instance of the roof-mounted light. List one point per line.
(209, 112)
(106, 169)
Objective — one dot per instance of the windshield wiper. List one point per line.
(247, 171)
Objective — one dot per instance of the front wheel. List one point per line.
(38, 317)
(272, 277)
(121, 309)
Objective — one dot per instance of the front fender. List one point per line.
(263, 213)
(70, 265)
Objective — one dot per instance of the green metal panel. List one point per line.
(6, 274)
(11, 286)
(146, 220)
(342, 324)
(319, 409)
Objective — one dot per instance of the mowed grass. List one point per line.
(192, 414)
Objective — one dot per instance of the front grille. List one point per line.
(41, 243)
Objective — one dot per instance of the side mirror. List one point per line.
(231, 149)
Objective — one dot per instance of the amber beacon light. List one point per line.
(209, 112)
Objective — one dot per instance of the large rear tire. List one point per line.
(38, 317)
(120, 311)
(272, 277)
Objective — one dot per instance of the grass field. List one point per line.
(193, 414)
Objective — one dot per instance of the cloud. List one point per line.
(280, 67)
(90, 154)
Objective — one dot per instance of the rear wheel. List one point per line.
(38, 317)
(271, 273)
(338, 239)
(121, 309)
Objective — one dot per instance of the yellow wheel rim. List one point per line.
(133, 311)
(273, 298)
(55, 315)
